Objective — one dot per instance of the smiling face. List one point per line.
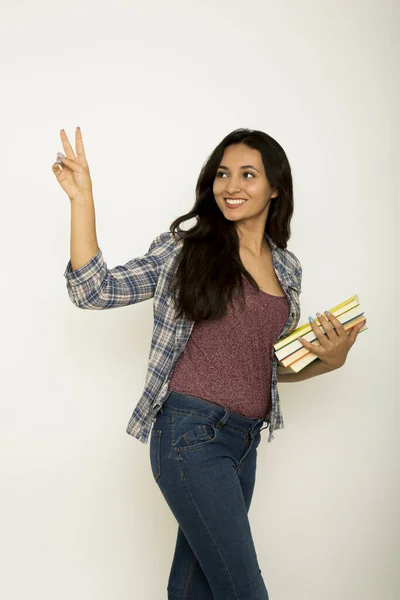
(241, 175)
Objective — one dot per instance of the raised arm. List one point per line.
(90, 284)
(94, 286)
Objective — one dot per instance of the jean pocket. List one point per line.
(155, 452)
(192, 432)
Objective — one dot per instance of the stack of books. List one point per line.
(293, 356)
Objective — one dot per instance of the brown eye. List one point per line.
(245, 173)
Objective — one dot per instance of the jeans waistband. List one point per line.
(178, 401)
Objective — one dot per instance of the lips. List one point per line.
(236, 205)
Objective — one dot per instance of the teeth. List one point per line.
(235, 201)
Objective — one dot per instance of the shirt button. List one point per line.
(292, 314)
(274, 382)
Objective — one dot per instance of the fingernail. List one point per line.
(327, 312)
(319, 315)
(61, 155)
(311, 319)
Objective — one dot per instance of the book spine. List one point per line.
(303, 329)
(286, 362)
(311, 336)
(298, 365)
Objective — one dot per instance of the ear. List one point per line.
(275, 194)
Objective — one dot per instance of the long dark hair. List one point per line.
(209, 270)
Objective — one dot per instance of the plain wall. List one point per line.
(155, 86)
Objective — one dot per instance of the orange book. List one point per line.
(286, 362)
(337, 310)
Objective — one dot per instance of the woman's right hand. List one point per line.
(74, 177)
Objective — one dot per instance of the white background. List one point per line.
(155, 86)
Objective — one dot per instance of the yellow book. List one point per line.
(298, 365)
(289, 360)
(303, 329)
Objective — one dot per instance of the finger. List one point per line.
(315, 347)
(319, 334)
(336, 324)
(71, 164)
(80, 150)
(355, 331)
(56, 170)
(66, 145)
(327, 327)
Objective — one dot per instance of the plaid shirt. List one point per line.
(95, 287)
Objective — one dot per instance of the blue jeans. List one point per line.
(203, 458)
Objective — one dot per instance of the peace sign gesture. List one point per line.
(74, 177)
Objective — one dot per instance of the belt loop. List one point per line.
(223, 420)
(255, 426)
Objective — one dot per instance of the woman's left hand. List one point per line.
(335, 345)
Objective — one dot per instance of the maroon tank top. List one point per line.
(229, 361)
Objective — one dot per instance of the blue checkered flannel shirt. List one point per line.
(96, 287)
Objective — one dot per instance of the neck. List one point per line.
(255, 247)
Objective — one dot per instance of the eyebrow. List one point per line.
(242, 167)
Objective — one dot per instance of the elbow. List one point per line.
(91, 301)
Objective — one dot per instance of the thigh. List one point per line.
(187, 579)
(195, 466)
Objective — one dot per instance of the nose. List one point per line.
(234, 187)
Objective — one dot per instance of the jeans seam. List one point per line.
(205, 524)
(187, 587)
(156, 435)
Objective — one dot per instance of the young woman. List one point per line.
(224, 292)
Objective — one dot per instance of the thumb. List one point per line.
(355, 331)
(72, 164)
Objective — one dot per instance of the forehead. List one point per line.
(237, 155)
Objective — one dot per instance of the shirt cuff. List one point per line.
(85, 272)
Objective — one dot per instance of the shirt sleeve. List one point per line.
(297, 270)
(95, 286)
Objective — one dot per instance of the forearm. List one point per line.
(84, 244)
(317, 367)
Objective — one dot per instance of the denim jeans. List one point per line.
(203, 458)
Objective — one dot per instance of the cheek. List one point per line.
(255, 188)
(217, 187)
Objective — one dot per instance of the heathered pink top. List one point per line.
(228, 361)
